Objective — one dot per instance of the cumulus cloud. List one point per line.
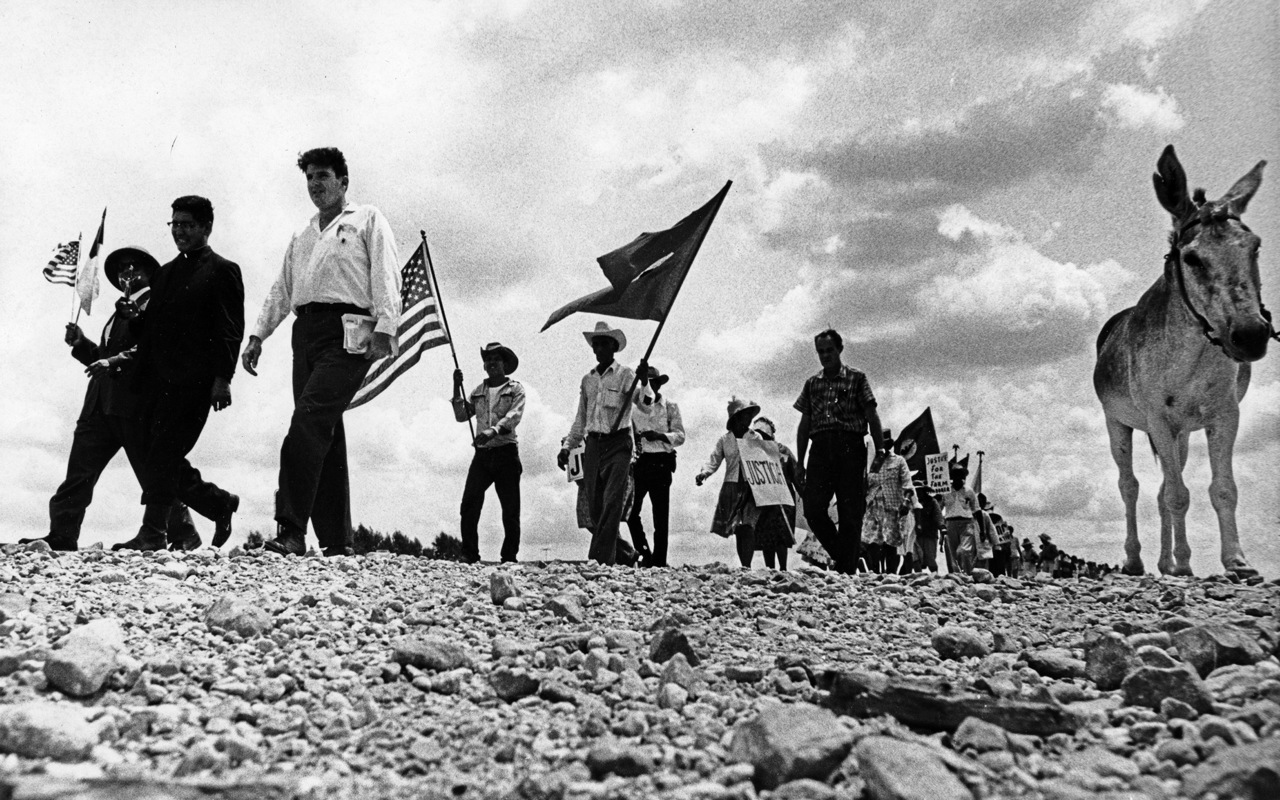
(1135, 107)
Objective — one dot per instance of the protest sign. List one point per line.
(573, 472)
(937, 466)
(762, 470)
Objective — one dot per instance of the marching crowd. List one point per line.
(167, 356)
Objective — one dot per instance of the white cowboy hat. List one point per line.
(603, 329)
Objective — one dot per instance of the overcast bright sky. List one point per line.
(963, 189)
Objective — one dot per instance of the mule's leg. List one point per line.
(1174, 499)
(1121, 437)
(1181, 548)
(1221, 434)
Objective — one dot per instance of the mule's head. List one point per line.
(1214, 259)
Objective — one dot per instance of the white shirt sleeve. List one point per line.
(278, 304)
(384, 274)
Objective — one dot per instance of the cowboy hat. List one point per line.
(739, 406)
(603, 329)
(509, 359)
(119, 258)
(656, 379)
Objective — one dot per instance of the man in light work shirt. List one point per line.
(836, 407)
(659, 431)
(343, 262)
(606, 461)
(498, 406)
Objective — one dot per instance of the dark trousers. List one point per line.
(881, 558)
(928, 543)
(653, 478)
(314, 484)
(606, 463)
(500, 468)
(97, 440)
(174, 419)
(837, 463)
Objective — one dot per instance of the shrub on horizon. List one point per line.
(445, 548)
(254, 540)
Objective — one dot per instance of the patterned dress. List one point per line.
(883, 524)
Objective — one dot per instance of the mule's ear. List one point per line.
(1171, 185)
(1238, 196)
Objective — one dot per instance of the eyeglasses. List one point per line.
(183, 225)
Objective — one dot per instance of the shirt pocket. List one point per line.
(347, 234)
(611, 398)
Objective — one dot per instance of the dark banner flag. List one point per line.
(646, 274)
(917, 440)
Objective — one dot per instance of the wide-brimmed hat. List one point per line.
(958, 471)
(1044, 537)
(603, 329)
(116, 261)
(509, 359)
(656, 379)
(739, 406)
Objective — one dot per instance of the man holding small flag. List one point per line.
(644, 276)
(340, 278)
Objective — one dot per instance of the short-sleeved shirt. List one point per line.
(838, 403)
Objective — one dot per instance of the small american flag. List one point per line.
(62, 267)
(420, 329)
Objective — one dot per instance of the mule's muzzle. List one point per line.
(1249, 340)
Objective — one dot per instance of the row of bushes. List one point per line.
(367, 540)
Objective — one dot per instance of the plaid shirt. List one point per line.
(836, 404)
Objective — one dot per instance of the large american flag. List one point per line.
(62, 267)
(420, 329)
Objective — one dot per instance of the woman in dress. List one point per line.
(888, 508)
(736, 512)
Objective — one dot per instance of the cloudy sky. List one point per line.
(963, 189)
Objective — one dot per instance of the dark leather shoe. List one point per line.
(147, 539)
(59, 543)
(287, 543)
(184, 540)
(222, 529)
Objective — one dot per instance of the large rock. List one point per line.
(513, 684)
(980, 736)
(430, 653)
(244, 615)
(12, 604)
(789, 742)
(669, 641)
(1055, 662)
(1148, 686)
(88, 656)
(1217, 644)
(40, 729)
(898, 770)
(1247, 772)
(953, 641)
(570, 606)
(626, 761)
(1108, 659)
(502, 587)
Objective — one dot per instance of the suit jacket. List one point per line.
(113, 392)
(191, 330)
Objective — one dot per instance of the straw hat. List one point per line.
(602, 329)
(121, 257)
(739, 406)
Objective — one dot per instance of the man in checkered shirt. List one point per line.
(836, 408)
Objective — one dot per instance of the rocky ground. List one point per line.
(257, 676)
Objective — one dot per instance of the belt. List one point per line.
(330, 308)
(599, 435)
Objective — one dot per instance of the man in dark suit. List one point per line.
(188, 340)
(110, 420)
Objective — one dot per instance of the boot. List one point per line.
(57, 543)
(289, 541)
(151, 536)
(222, 531)
(182, 533)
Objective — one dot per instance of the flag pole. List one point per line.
(75, 295)
(622, 409)
(444, 320)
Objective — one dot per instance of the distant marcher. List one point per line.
(111, 420)
(1030, 561)
(888, 508)
(659, 431)
(931, 527)
(986, 542)
(606, 461)
(498, 406)
(188, 338)
(736, 511)
(774, 531)
(959, 504)
(836, 409)
(344, 262)
(1049, 554)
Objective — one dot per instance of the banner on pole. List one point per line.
(936, 463)
(762, 470)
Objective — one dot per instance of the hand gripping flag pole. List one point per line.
(431, 269)
(646, 276)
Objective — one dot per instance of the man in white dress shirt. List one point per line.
(606, 461)
(659, 431)
(343, 262)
